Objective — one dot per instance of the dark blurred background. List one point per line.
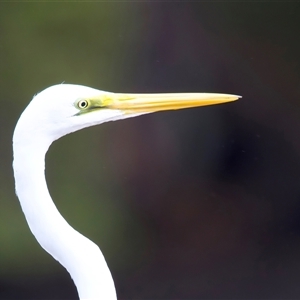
(195, 204)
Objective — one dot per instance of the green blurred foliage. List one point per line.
(38, 50)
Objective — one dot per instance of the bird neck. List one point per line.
(80, 256)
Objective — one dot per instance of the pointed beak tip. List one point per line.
(236, 97)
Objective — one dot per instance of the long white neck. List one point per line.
(80, 256)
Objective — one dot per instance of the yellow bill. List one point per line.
(140, 103)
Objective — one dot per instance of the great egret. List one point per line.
(53, 113)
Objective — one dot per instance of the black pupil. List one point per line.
(83, 104)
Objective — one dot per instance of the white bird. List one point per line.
(53, 113)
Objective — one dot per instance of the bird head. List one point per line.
(65, 108)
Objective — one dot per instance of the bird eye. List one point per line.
(82, 104)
